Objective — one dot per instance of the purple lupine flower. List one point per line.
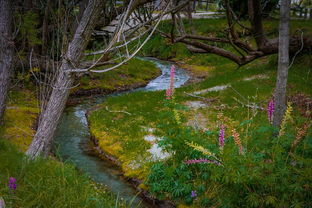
(270, 110)
(221, 137)
(202, 160)
(193, 194)
(12, 184)
(169, 91)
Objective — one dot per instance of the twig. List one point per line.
(118, 111)
(196, 96)
(253, 106)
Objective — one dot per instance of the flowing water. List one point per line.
(73, 138)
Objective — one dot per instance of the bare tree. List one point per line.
(41, 143)
(71, 65)
(6, 51)
(283, 63)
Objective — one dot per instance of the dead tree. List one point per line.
(6, 51)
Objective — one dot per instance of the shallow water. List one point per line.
(73, 138)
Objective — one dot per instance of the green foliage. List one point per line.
(267, 175)
(29, 28)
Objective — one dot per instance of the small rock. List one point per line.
(196, 104)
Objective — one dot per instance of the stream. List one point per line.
(72, 140)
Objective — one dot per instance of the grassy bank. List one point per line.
(132, 74)
(44, 182)
(47, 182)
(267, 173)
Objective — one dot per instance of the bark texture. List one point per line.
(6, 52)
(43, 138)
(283, 62)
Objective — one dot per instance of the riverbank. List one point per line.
(42, 177)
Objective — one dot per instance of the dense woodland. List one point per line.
(141, 103)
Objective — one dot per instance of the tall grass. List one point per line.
(48, 183)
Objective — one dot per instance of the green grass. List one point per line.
(48, 183)
(43, 182)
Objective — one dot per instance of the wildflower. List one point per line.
(169, 91)
(201, 149)
(168, 94)
(221, 138)
(177, 116)
(12, 184)
(237, 141)
(286, 118)
(300, 134)
(202, 160)
(193, 194)
(270, 110)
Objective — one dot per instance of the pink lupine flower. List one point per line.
(270, 110)
(168, 94)
(202, 160)
(169, 91)
(221, 137)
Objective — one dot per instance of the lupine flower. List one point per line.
(286, 118)
(177, 116)
(202, 160)
(169, 91)
(193, 194)
(300, 134)
(221, 138)
(270, 110)
(199, 148)
(12, 183)
(237, 141)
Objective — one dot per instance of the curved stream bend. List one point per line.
(73, 135)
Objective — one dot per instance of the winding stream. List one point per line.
(73, 138)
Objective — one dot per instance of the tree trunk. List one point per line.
(283, 62)
(6, 51)
(45, 30)
(43, 138)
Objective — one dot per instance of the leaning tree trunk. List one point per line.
(6, 52)
(43, 138)
(283, 62)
